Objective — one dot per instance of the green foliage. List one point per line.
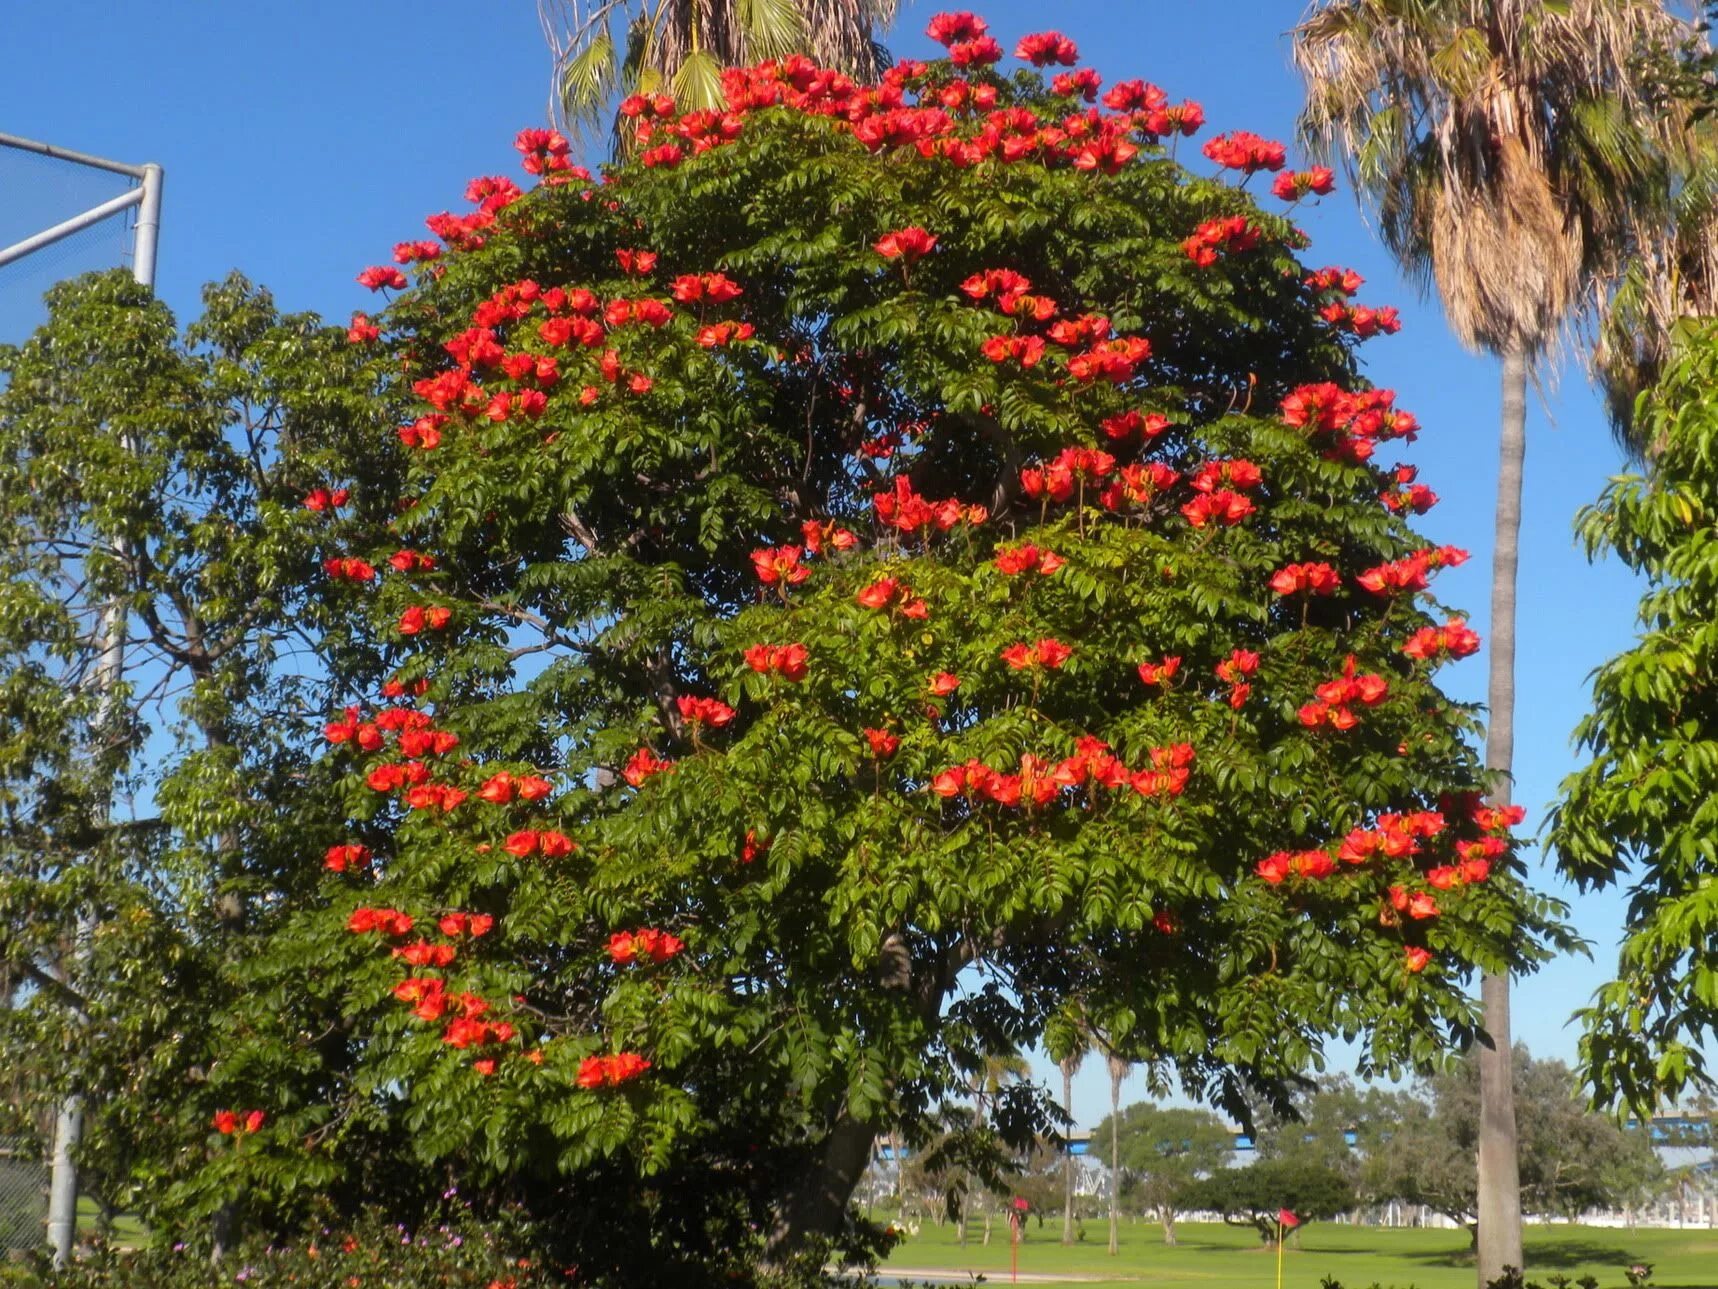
(155, 479)
(1645, 810)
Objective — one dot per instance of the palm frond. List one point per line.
(697, 82)
(772, 28)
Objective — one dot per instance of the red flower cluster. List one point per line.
(1312, 579)
(1361, 321)
(820, 533)
(1356, 421)
(424, 616)
(231, 1122)
(1137, 484)
(643, 765)
(611, 1071)
(499, 789)
(530, 841)
(1418, 905)
(882, 743)
(1411, 574)
(378, 276)
(362, 331)
(474, 925)
(1341, 281)
(347, 855)
(1395, 837)
(321, 499)
(779, 566)
(1230, 235)
(891, 590)
(1235, 672)
(1498, 819)
(1246, 152)
(1048, 654)
(1160, 673)
(1313, 865)
(1084, 83)
(704, 711)
(1452, 640)
(787, 661)
(544, 152)
(1028, 351)
(1292, 185)
(1401, 493)
(1114, 360)
(1028, 558)
(1047, 49)
(1126, 425)
(381, 921)
(349, 569)
(1222, 507)
(906, 510)
(647, 945)
(1056, 479)
(905, 244)
(1039, 782)
(691, 288)
(1337, 698)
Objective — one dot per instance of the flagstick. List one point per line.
(1279, 1252)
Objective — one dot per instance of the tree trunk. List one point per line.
(1499, 1176)
(1168, 1226)
(817, 1204)
(1068, 1156)
(1118, 1072)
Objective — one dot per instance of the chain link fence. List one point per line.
(23, 1196)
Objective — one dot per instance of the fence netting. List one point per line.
(23, 1197)
(37, 192)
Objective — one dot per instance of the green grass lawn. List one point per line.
(1358, 1256)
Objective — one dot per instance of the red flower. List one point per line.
(1084, 83)
(975, 53)
(642, 765)
(626, 947)
(1025, 350)
(1414, 959)
(1220, 236)
(225, 1122)
(347, 855)
(909, 244)
(1047, 48)
(818, 534)
(1127, 424)
(610, 1071)
(1314, 579)
(952, 28)
(1222, 507)
(378, 276)
(362, 330)
(1028, 558)
(704, 711)
(944, 683)
(1159, 673)
(638, 263)
(779, 565)
(788, 661)
(1246, 152)
(883, 744)
(1452, 640)
(1047, 653)
(321, 499)
(1292, 185)
(384, 921)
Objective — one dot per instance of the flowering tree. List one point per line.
(882, 565)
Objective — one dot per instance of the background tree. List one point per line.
(680, 48)
(1117, 1066)
(1163, 1151)
(139, 836)
(815, 511)
(1572, 1159)
(1256, 1194)
(1507, 149)
(1645, 808)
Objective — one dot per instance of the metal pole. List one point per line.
(148, 226)
(66, 154)
(76, 224)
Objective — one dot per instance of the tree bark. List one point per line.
(1499, 1176)
(817, 1206)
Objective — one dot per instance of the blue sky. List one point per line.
(301, 141)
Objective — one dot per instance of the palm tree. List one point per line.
(681, 46)
(1119, 1067)
(1067, 1039)
(1507, 151)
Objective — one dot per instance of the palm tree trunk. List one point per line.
(1499, 1177)
(1068, 1156)
(1118, 1071)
